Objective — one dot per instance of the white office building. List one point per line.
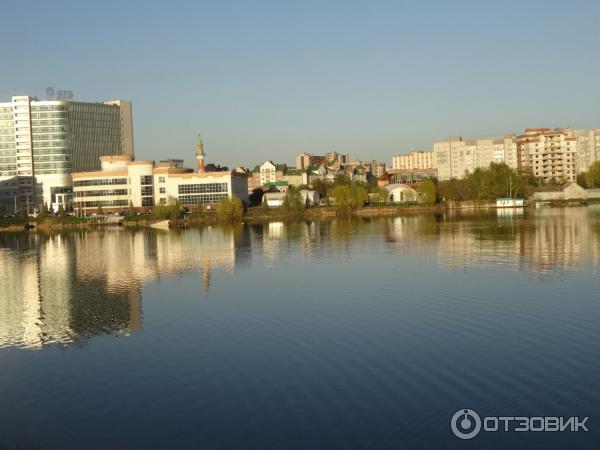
(43, 142)
(122, 182)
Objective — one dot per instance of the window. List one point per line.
(147, 190)
(161, 179)
(162, 190)
(202, 198)
(146, 180)
(202, 188)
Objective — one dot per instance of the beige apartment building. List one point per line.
(456, 157)
(416, 159)
(550, 154)
(588, 148)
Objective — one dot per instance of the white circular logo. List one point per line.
(465, 424)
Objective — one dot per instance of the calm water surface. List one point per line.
(333, 335)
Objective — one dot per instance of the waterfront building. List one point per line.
(401, 193)
(274, 199)
(123, 181)
(456, 157)
(43, 142)
(416, 159)
(566, 191)
(551, 155)
(588, 148)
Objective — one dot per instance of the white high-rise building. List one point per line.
(43, 142)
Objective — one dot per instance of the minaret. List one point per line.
(199, 155)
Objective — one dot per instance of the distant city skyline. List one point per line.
(272, 80)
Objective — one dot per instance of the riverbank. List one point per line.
(255, 215)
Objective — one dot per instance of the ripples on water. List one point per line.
(343, 334)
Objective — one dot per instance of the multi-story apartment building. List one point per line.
(416, 159)
(337, 157)
(122, 181)
(43, 142)
(376, 168)
(305, 161)
(455, 157)
(551, 155)
(588, 148)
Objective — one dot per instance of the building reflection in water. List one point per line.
(63, 288)
(543, 243)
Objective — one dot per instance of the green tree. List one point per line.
(427, 192)
(61, 210)
(593, 175)
(99, 211)
(293, 201)
(320, 186)
(582, 180)
(43, 210)
(255, 197)
(351, 196)
(2, 211)
(231, 209)
(23, 213)
(171, 211)
(342, 179)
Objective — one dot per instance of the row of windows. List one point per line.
(205, 198)
(49, 108)
(100, 182)
(103, 203)
(53, 165)
(55, 158)
(101, 193)
(202, 188)
(52, 151)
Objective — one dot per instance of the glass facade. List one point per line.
(202, 188)
(102, 193)
(8, 155)
(100, 182)
(195, 194)
(202, 198)
(49, 139)
(51, 142)
(102, 203)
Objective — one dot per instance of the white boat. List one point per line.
(508, 202)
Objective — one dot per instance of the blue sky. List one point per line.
(267, 80)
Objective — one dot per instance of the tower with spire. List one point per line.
(199, 154)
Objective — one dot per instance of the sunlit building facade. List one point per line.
(123, 181)
(43, 142)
